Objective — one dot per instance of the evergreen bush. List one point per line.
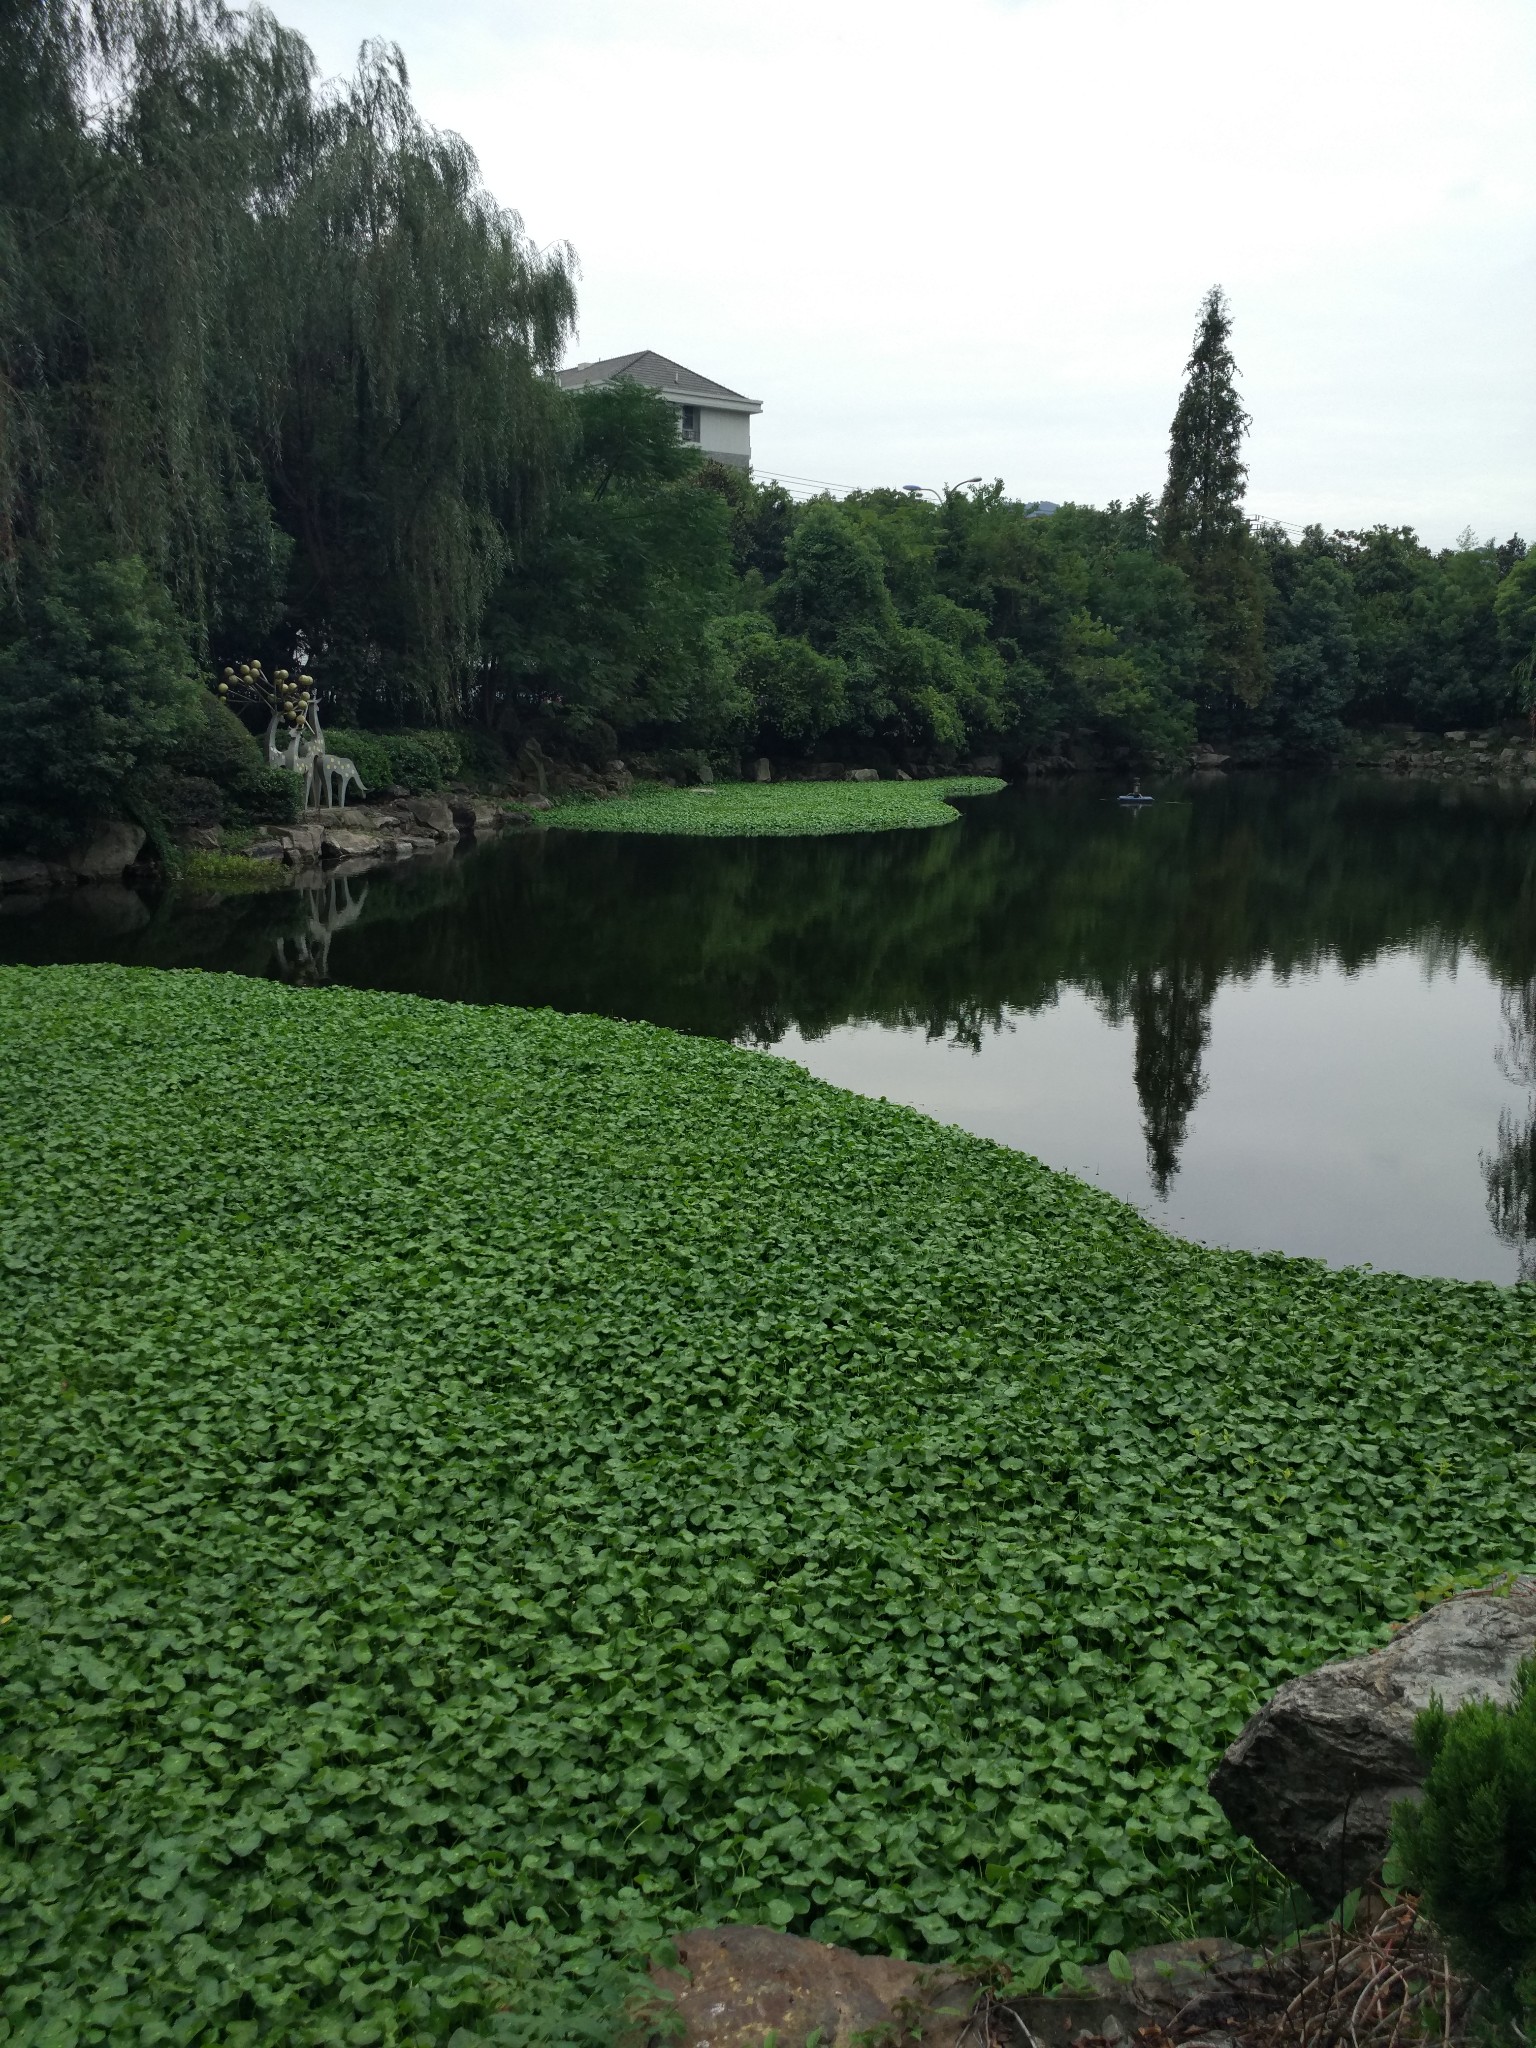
(96, 687)
(181, 800)
(1470, 1847)
(217, 754)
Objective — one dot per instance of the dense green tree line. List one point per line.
(275, 380)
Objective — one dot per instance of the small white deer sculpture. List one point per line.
(327, 776)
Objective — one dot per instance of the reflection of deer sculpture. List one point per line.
(306, 956)
(295, 706)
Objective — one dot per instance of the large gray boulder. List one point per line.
(340, 844)
(1314, 1776)
(110, 845)
(302, 844)
(434, 816)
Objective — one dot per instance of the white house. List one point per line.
(711, 418)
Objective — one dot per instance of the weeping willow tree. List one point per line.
(274, 340)
(141, 158)
(414, 439)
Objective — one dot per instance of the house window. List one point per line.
(690, 426)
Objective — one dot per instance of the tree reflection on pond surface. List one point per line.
(1266, 1010)
(1510, 1170)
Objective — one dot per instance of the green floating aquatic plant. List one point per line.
(483, 1489)
(778, 810)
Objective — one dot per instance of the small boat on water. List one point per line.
(1136, 798)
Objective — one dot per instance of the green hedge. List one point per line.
(418, 761)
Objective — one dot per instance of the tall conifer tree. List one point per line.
(1201, 519)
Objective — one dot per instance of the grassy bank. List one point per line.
(474, 1470)
(779, 810)
(228, 872)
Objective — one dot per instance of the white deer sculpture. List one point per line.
(327, 776)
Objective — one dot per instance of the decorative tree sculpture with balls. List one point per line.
(294, 739)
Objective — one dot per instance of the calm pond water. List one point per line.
(1290, 1015)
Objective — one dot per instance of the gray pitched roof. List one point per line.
(647, 367)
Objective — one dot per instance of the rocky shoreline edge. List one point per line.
(360, 835)
(396, 825)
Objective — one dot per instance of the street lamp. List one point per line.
(916, 490)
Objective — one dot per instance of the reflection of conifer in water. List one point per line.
(1517, 1060)
(1171, 1010)
(1510, 1173)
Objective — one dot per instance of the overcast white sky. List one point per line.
(942, 239)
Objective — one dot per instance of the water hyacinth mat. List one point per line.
(484, 1488)
(775, 810)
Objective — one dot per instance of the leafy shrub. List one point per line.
(179, 800)
(214, 775)
(219, 748)
(272, 796)
(551, 1475)
(96, 687)
(777, 810)
(417, 761)
(422, 760)
(368, 751)
(1470, 1846)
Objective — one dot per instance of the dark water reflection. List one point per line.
(1299, 1015)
